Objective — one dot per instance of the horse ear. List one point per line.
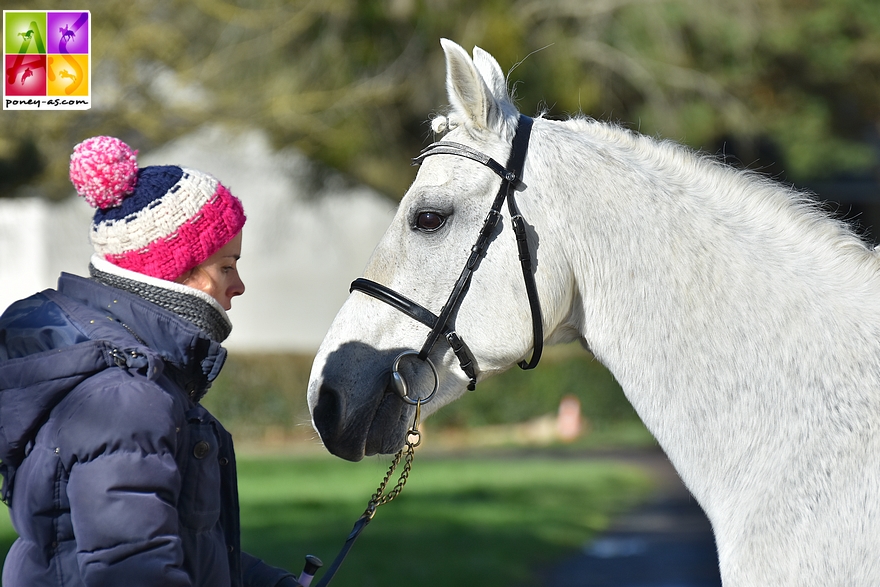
(468, 93)
(492, 74)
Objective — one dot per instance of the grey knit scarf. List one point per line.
(188, 307)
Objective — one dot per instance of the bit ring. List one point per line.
(402, 388)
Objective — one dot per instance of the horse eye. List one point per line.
(429, 221)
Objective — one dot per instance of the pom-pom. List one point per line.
(103, 170)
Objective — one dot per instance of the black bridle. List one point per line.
(511, 181)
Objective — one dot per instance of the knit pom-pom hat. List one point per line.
(159, 221)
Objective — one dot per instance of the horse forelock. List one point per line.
(442, 124)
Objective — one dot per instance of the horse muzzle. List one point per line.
(370, 414)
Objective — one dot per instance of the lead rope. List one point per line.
(407, 453)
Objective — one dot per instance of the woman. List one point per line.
(114, 472)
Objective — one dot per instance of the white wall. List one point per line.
(308, 235)
(23, 248)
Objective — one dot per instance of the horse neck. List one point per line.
(723, 306)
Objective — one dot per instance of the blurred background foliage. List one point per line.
(787, 86)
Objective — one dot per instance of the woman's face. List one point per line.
(218, 275)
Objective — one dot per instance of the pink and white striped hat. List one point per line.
(159, 221)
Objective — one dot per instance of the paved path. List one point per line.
(667, 542)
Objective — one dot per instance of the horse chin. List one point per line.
(387, 432)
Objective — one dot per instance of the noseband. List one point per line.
(511, 181)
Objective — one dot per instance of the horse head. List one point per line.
(354, 405)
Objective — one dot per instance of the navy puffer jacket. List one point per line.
(113, 474)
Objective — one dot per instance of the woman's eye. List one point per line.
(429, 221)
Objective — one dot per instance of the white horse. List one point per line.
(742, 323)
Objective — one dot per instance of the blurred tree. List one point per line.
(352, 82)
(802, 76)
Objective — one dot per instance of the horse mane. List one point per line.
(804, 216)
(766, 197)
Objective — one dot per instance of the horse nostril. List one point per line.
(328, 413)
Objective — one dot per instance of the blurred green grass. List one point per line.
(476, 520)
(489, 521)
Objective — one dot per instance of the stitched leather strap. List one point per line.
(511, 180)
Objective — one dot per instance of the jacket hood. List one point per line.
(54, 340)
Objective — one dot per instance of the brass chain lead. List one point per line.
(413, 439)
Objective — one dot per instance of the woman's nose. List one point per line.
(237, 288)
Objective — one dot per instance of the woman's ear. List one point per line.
(186, 276)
